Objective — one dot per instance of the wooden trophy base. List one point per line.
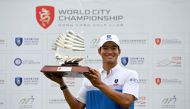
(65, 71)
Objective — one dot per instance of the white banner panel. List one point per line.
(154, 36)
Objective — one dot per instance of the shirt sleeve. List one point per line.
(81, 96)
(131, 85)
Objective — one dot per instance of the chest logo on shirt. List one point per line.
(116, 81)
(115, 84)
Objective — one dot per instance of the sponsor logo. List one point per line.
(168, 41)
(29, 100)
(31, 41)
(57, 101)
(133, 80)
(31, 81)
(133, 41)
(141, 102)
(26, 41)
(167, 81)
(158, 80)
(175, 61)
(169, 102)
(142, 81)
(17, 61)
(133, 60)
(18, 41)
(26, 81)
(18, 81)
(157, 41)
(124, 61)
(26, 103)
(45, 15)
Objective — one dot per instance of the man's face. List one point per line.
(109, 52)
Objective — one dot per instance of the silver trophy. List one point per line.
(69, 65)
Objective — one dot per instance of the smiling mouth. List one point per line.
(110, 57)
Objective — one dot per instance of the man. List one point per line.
(112, 87)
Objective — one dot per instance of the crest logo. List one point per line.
(116, 81)
(124, 60)
(18, 61)
(45, 15)
(157, 41)
(109, 37)
(18, 41)
(18, 81)
(158, 81)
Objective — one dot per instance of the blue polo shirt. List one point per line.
(119, 79)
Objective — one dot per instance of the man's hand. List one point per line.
(94, 77)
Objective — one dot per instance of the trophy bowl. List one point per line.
(69, 66)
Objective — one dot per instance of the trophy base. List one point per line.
(65, 71)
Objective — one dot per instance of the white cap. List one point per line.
(108, 37)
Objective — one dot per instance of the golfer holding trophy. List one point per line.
(110, 87)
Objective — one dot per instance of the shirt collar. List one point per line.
(111, 71)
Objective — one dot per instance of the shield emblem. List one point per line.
(18, 81)
(124, 61)
(158, 81)
(157, 41)
(116, 81)
(109, 37)
(18, 41)
(45, 15)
